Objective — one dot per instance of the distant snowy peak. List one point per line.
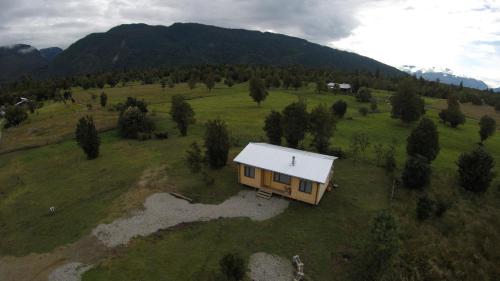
(445, 76)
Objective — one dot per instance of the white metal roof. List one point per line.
(308, 165)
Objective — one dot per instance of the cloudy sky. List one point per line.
(463, 35)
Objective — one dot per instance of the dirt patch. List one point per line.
(69, 272)
(267, 267)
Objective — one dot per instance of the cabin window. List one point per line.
(249, 172)
(282, 178)
(305, 186)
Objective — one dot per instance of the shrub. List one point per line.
(233, 267)
(182, 113)
(364, 95)
(339, 108)
(295, 121)
(476, 170)
(338, 152)
(406, 104)
(133, 122)
(103, 99)
(257, 90)
(161, 135)
(272, 127)
(417, 172)
(488, 126)
(374, 105)
(321, 126)
(194, 158)
(87, 137)
(425, 208)
(363, 111)
(217, 143)
(424, 140)
(15, 115)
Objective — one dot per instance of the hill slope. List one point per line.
(18, 60)
(141, 45)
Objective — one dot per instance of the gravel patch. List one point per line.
(69, 272)
(163, 210)
(267, 267)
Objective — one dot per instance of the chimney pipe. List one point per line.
(293, 160)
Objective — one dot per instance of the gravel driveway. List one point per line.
(267, 267)
(163, 210)
(69, 272)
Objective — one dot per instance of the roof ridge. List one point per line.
(295, 150)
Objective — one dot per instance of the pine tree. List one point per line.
(322, 125)
(257, 90)
(87, 137)
(182, 113)
(217, 143)
(295, 121)
(488, 126)
(424, 140)
(273, 128)
(476, 170)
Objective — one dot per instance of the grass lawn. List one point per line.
(86, 193)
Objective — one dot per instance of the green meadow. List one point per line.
(86, 193)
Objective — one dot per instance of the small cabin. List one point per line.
(343, 87)
(288, 172)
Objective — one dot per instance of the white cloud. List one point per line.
(429, 33)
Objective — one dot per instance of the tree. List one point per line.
(339, 108)
(233, 267)
(379, 249)
(210, 82)
(322, 125)
(417, 172)
(163, 82)
(182, 113)
(364, 95)
(373, 105)
(192, 82)
(133, 122)
(216, 143)
(406, 104)
(257, 90)
(295, 120)
(103, 98)
(425, 208)
(133, 102)
(452, 115)
(15, 115)
(321, 86)
(363, 111)
(170, 82)
(476, 170)
(273, 128)
(194, 158)
(424, 140)
(359, 144)
(488, 126)
(87, 137)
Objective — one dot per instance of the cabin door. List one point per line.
(266, 178)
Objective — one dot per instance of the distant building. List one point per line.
(292, 173)
(344, 87)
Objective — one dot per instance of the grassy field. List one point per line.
(86, 193)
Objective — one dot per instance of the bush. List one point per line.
(488, 126)
(476, 170)
(194, 158)
(417, 172)
(87, 137)
(15, 115)
(339, 108)
(233, 267)
(363, 111)
(182, 113)
(272, 127)
(217, 143)
(161, 135)
(425, 208)
(364, 95)
(134, 122)
(338, 152)
(406, 104)
(424, 140)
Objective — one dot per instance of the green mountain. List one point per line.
(141, 45)
(20, 59)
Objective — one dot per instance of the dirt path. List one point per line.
(267, 267)
(161, 211)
